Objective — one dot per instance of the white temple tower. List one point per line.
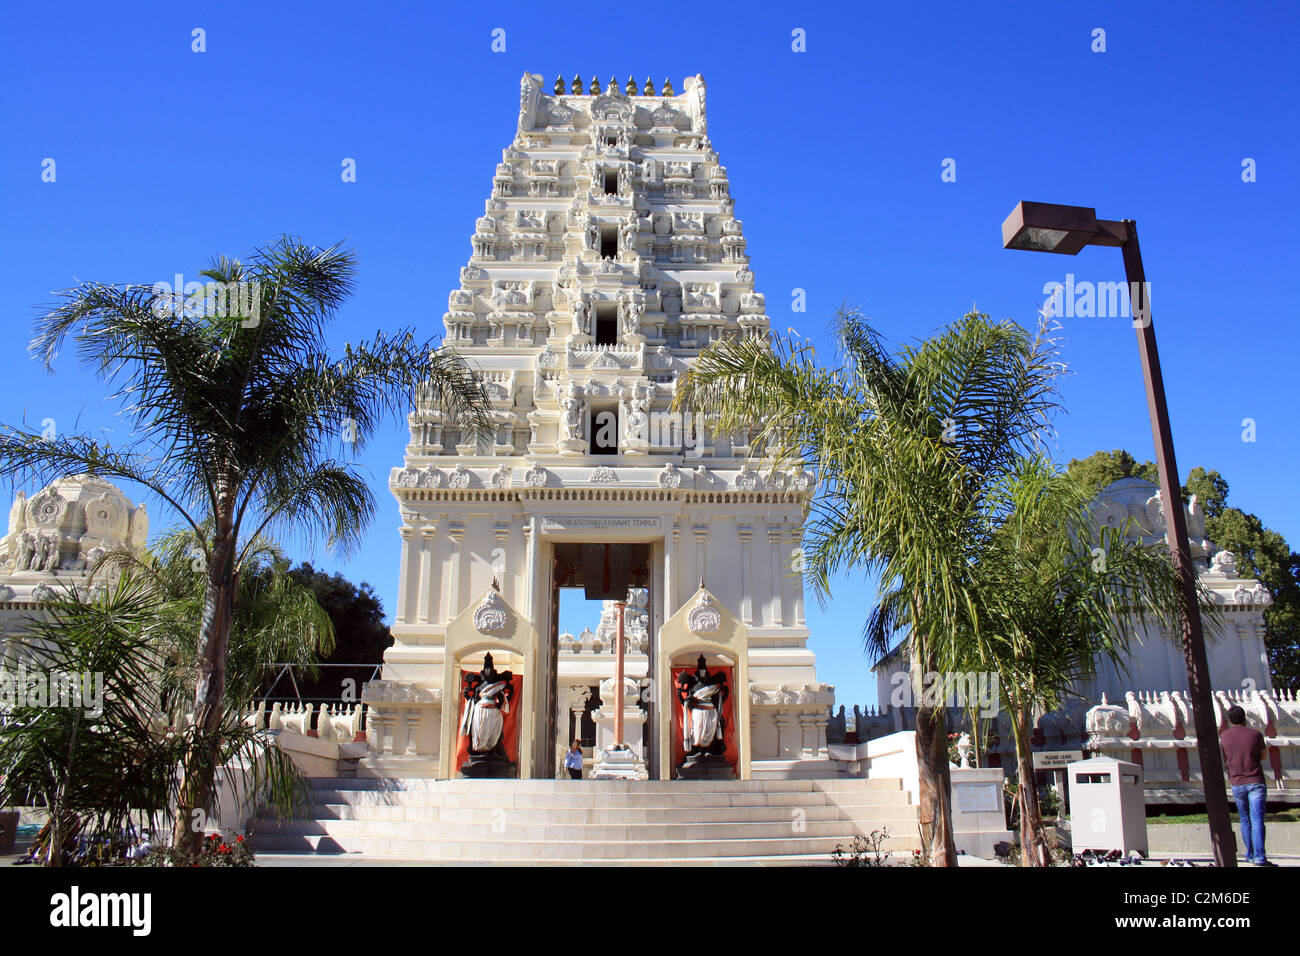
(607, 256)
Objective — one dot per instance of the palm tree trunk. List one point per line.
(200, 765)
(1033, 839)
(935, 785)
(58, 816)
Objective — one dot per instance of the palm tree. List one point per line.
(239, 418)
(276, 618)
(1060, 595)
(907, 447)
(102, 763)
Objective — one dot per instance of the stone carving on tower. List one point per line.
(607, 253)
(68, 525)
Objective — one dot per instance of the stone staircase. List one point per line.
(505, 821)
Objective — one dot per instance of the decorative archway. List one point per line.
(702, 626)
(490, 626)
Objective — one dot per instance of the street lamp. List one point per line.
(1045, 227)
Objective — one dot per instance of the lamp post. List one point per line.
(1045, 227)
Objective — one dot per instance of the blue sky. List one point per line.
(165, 157)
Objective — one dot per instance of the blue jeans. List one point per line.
(1250, 807)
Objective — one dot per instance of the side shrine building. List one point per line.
(608, 255)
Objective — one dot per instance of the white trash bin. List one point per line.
(1107, 806)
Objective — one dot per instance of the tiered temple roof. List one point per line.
(607, 256)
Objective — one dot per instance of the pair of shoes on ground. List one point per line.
(1263, 863)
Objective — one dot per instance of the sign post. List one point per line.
(1057, 761)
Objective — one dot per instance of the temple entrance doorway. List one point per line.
(587, 578)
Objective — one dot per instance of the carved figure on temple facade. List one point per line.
(487, 696)
(632, 312)
(571, 402)
(702, 696)
(1155, 514)
(42, 554)
(1195, 518)
(26, 553)
(627, 233)
(581, 314)
(51, 562)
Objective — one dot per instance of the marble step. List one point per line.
(436, 850)
(510, 831)
(581, 798)
(532, 820)
(570, 816)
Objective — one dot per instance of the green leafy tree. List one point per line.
(1104, 468)
(360, 634)
(1211, 490)
(908, 448)
(241, 414)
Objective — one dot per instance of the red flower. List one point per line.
(239, 839)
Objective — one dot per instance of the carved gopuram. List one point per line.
(607, 256)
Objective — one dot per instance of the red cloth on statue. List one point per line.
(726, 712)
(509, 724)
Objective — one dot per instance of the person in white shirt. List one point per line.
(573, 760)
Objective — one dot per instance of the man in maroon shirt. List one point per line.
(1242, 749)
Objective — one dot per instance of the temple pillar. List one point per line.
(426, 597)
(457, 531)
(746, 535)
(786, 739)
(403, 613)
(412, 734)
(808, 735)
(531, 546)
(774, 551)
(375, 730)
(820, 721)
(670, 576)
(701, 532)
(796, 584)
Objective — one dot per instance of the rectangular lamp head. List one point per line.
(1047, 227)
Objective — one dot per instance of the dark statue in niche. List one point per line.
(702, 697)
(487, 696)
